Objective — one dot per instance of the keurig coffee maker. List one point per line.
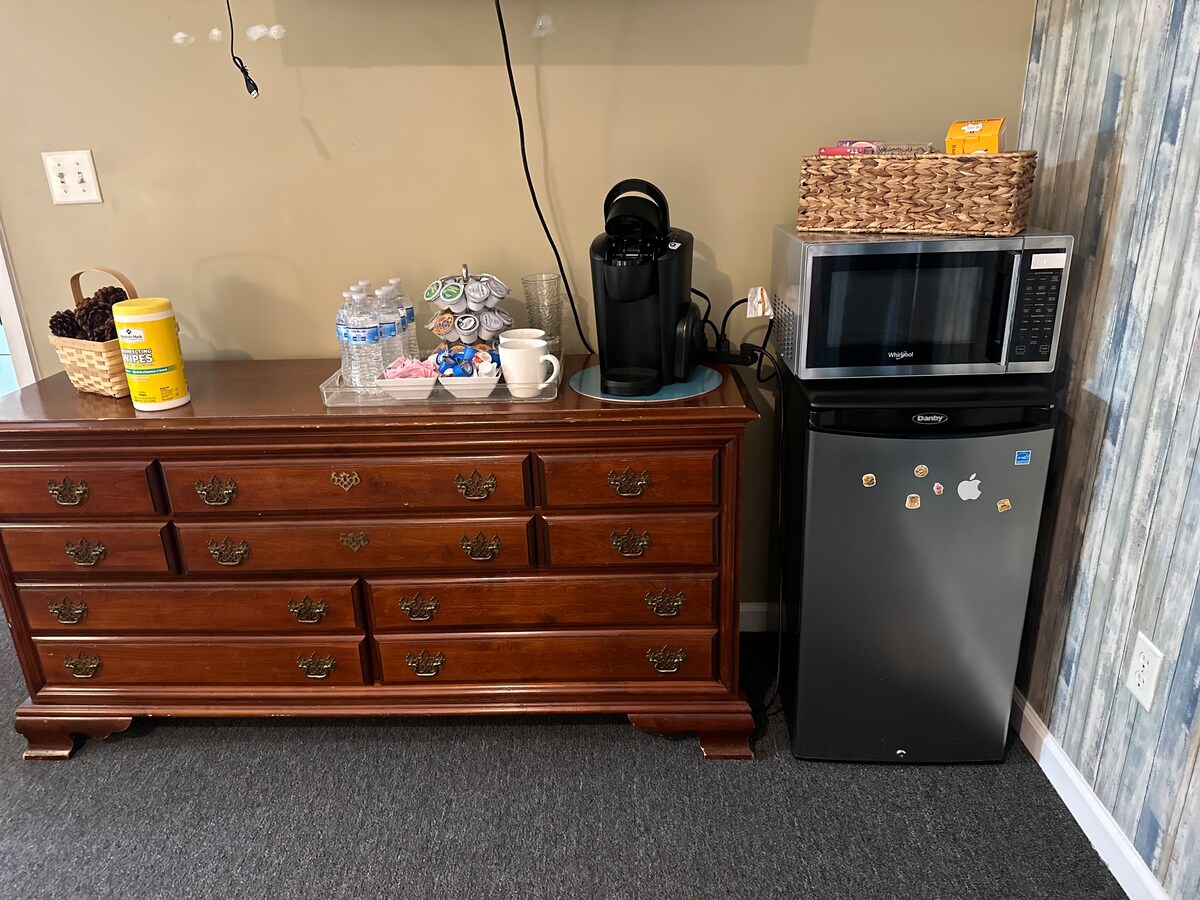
(648, 327)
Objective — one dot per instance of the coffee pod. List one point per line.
(434, 289)
(442, 325)
(505, 319)
(477, 294)
(490, 324)
(467, 327)
(497, 288)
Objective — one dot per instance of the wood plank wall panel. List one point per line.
(1111, 104)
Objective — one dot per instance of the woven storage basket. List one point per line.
(921, 194)
(95, 367)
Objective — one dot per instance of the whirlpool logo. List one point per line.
(931, 418)
(900, 354)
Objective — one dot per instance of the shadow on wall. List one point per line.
(363, 33)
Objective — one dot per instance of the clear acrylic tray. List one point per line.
(402, 392)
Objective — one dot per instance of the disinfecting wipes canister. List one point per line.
(149, 339)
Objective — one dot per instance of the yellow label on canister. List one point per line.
(149, 338)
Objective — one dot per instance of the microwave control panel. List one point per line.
(1037, 306)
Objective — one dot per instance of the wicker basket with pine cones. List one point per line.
(85, 338)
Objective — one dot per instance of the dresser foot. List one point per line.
(723, 735)
(52, 737)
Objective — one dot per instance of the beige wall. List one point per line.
(384, 141)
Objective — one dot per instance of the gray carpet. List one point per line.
(517, 807)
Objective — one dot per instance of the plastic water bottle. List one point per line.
(365, 360)
(343, 333)
(411, 349)
(392, 332)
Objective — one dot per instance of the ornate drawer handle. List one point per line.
(630, 543)
(665, 604)
(419, 609)
(85, 554)
(629, 483)
(354, 540)
(68, 493)
(480, 548)
(215, 492)
(424, 665)
(68, 611)
(666, 660)
(306, 611)
(344, 480)
(476, 487)
(314, 666)
(84, 666)
(227, 553)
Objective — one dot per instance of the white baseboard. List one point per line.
(1097, 823)
(758, 617)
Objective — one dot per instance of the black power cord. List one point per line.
(512, 84)
(251, 87)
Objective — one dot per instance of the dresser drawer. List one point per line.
(95, 548)
(650, 478)
(108, 662)
(434, 604)
(453, 546)
(682, 538)
(285, 608)
(71, 490)
(653, 655)
(430, 483)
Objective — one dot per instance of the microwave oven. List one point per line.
(867, 305)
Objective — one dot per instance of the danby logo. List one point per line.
(931, 418)
(900, 354)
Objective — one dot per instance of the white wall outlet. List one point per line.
(1143, 671)
(72, 176)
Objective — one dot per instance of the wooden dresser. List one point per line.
(255, 553)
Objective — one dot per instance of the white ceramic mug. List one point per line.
(522, 334)
(521, 361)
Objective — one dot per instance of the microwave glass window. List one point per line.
(908, 309)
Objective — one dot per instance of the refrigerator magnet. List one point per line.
(913, 501)
(868, 480)
(1003, 505)
(921, 471)
(937, 488)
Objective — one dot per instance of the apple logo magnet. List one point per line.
(969, 489)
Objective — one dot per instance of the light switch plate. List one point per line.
(72, 176)
(1143, 671)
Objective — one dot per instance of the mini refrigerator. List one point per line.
(909, 522)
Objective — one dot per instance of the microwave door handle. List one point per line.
(1013, 288)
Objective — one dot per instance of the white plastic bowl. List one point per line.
(407, 388)
(473, 387)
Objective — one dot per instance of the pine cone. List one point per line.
(96, 320)
(110, 295)
(64, 324)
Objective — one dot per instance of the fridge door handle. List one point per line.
(1013, 289)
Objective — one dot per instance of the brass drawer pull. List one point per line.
(630, 544)
(419, 609)
(629, 483)
(83, 666)
(314, 666)
(353, 540)
(476, 487)
(85, 554)
(424, 665)
(666, 660)
(68, 611)
(227, 553)
(664, 603)
(307, 612)
(68, 493)
(344, 480)
(215, 492)
(480, 548)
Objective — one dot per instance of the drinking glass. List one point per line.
(543, 302)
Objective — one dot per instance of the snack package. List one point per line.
(975, 136)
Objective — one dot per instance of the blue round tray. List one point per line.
(703, 380)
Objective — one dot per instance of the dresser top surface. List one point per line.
(237, 394)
